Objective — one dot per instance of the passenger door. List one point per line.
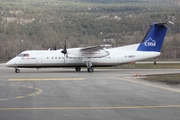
(38, 58)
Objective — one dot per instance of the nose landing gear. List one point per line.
(17, 70)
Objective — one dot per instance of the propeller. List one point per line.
(55, 47)
(64, 51)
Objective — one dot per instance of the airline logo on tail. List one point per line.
(150, 42)
(154, 38)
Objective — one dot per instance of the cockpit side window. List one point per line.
(26, 55)
(23, 55)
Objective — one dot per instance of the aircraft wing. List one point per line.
(93, 48)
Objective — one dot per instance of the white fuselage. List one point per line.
(75, 58)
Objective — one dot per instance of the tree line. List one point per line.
(42, 25)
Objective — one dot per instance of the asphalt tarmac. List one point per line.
(105, 94)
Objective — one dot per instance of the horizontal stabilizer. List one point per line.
(165, 23)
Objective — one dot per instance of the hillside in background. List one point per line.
(42, 24)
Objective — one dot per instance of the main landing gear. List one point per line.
(89, 67)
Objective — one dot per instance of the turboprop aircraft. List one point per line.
(94, 56)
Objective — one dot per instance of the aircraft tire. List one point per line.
(17, 71)
(78, 69)
(90, 70)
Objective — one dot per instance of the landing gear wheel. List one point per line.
(17, 71)
(90, 70)
(78, 69)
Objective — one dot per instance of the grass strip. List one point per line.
(170, 79)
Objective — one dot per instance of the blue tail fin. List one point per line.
(154, 38)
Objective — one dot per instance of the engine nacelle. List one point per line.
(94, 54)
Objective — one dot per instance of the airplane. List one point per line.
(94, 56)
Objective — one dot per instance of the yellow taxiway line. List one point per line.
(148, 84)
(2, 99)
(93, 108)
(19, 97)
(43, 79)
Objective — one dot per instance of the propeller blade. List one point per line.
(64, 51)
(55, 47)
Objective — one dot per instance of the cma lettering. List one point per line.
(150, 42)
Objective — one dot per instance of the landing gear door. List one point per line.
(38, 58)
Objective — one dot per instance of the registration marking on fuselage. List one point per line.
(43, 79)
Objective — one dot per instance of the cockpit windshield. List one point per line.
(23, 55)
(20, 55)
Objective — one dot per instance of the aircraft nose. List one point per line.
(10, 63)
(7, 64)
